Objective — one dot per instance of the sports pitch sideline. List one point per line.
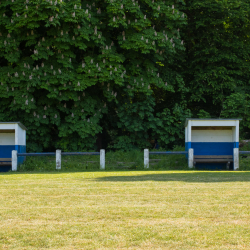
(125, 210)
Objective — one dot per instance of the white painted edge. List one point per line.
(237, 131)
(186, 139)
(216, 122)
(16, 134)
(189, 132)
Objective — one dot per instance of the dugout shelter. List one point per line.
(215, 142)
(12, 137)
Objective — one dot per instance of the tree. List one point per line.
(72, 69)
(217, 53)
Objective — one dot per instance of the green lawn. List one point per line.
(125, 210)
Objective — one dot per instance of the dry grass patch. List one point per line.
(125, 210)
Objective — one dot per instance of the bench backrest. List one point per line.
(213, 156)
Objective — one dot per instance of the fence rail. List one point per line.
(58, 155)
(63, 153)
(168, 153)
(147, 153)
(36, 154)
(80, 153)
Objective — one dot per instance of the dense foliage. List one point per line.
(119, 74)
(217, 51)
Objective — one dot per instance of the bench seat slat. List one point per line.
(213, 160)
(5, 163)
(213, 156)
(5, 159)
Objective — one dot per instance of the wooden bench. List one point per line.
(5, 161)
(213, 159)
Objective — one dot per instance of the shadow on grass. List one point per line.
(139, 176)
(189, 176)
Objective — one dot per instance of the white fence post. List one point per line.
(14, 160)
(236, 159)
(190, 157)
(102, 159)
(58, 158)
(146, 158)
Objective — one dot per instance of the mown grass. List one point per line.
(125, 210)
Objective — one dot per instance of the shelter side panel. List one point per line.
(187, 147)
(213, 142)
(6, 151)
(213, 148)
(7, 144)
(21, 149)
(212, 135)
(7, 139)
(5, 157)
(21, 136)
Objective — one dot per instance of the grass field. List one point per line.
(125, 210)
